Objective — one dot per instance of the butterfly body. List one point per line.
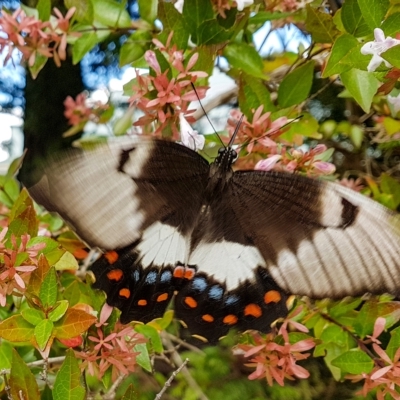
(227, 246)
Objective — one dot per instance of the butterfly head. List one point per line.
(226, 157)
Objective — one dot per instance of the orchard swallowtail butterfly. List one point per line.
(229, 247)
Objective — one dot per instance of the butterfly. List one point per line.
(228, 248)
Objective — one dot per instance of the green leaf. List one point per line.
(123, 123)
(152, 334)
(362, 85)
(44, 9)
(84, 10)
(43, 332)
(11, 188)
(195, 13)
(210, 32)
(83, 45)
(172, 21)
(48, 290)
(354, 362)
(343, 45)
(390, 186)
(38, 65)
(22, 382)
(73, 323)
(129, 393)
(353, 20)
(16, 329)
(148, 10)
(59, 310)
(320, 25)
(356, 136)
(134, 47)
(394, 343)
(33, 316)
(6, 351)
(66, 262)
(390, 25)
(263, 16)
(143, 358)
(245, 58)
(364, 324)
(67, 385)
(296, 86)
(252, 93)
(111, 13)
(392, 55)
(373, 11)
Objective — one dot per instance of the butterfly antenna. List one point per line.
(230, 144)
(205, 113)
(276, 130)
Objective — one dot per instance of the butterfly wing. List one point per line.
(318, 238)
(138, 196)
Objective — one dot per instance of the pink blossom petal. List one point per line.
(380, 372)
(268, 164)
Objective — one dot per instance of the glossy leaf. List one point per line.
(253, 93)
(43, 332)
(48, 291)
(143, 358)
(111, 13)
(33, 316)
(320, 25)
(59, 310)
(83, 45)
(73, 323)
(22, 382)
(373, 11)
(38, 275)
(129, 394)
(354, 362)
(84, 9)
(353, 20)
(246, 58)
(148, 10)
(153, 335)
(362, 85)
(16, 329)
(67, 385)
(296, 86)
(392, 55)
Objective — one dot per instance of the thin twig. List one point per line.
(110, 395)
(38, 363)
(167, 384)
(176, 358)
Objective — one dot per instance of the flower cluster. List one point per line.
(385, 376)
(16, 263)
(274, 361)
(262, 138)
(115, 350)
(163, 95)
(33, 37)
(81, 110)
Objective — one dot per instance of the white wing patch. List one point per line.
(162, 245)
(227, 262)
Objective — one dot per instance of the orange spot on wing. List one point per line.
(142, 302)
(191, 302)
(111, 256)
(207, 318)
(179, 272)
(125, 293)
(253, 310)
(272, 296)
(189, 273)
(162, 297)
(115, 275)
(230, 319)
